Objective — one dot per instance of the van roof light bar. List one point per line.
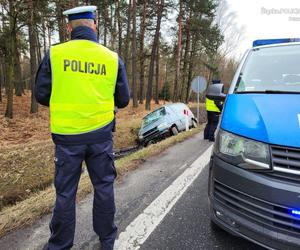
(262, 42)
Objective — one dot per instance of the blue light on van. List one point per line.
(295, 212)
(274, 41)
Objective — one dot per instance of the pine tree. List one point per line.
(153, 53)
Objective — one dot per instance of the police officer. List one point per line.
(82, 81)
(213, 109)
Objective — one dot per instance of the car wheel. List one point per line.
(194, 124)
(174, 130)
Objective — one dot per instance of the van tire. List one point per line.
(174, 130)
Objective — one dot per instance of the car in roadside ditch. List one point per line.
(167, 120)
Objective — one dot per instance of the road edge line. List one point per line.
(137, 232)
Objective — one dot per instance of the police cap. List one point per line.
(82, 12)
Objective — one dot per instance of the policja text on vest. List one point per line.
(85, 67)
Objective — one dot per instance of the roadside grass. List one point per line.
(28, 167)
(193, 105)
(26, 150)
(131, 162)
(25, 170)
(27, 211)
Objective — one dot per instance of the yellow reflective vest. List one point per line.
(211, 106)
(84, 76)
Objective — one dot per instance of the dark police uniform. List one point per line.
(213, 109)
(95, 147)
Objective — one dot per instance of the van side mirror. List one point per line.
(215, 92)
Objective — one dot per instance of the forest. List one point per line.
(163, 43)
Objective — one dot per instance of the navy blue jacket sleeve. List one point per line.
(219, 105)
(122, 94)
(43, 81)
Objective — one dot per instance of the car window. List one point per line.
(275, 68)
(153, 117)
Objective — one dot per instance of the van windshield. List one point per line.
(153, 117)
(274, 70)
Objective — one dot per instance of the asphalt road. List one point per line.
(162, 205)
(187, 225)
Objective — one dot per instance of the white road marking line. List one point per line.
(144, 224)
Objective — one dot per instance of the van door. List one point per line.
(179, 118)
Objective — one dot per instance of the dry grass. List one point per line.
(25, 128)
(40, 203)
(26, 150)
(130, 162)
(28, 129)
(193, 105)
(24, 170)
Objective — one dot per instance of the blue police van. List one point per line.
(254, 178)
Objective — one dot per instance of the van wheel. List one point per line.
(174, 130)
(194, 124)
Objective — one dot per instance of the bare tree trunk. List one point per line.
(191, 68)
(1, 88)
(2, 69)
(153, 55)
(38, 46)
(49, 34)
(44, 36)
(120, 30)
(105, 13)
(113, 26)
(11, 46)
(17, 66)
(178, 53)
(61, 21)
(157, 75)
(166, 81)
(1, 76)
(185, 64)
(98, 26)
(33, 57)
(141, 52)
(134, 56)
(126, 52)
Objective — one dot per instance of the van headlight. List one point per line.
(243, 152)
(141, 137)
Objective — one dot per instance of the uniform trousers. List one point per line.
(211, 126)
(68, 168)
